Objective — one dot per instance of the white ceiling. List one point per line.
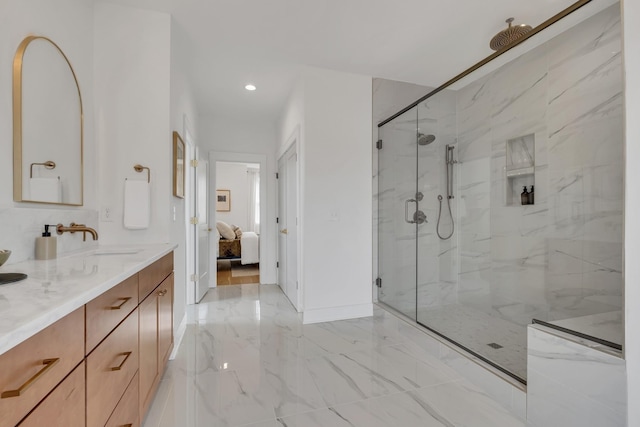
(231, 42)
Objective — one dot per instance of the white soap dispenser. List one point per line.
(47, 245)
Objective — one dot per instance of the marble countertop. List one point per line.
(57, 287)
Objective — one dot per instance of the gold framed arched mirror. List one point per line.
(47, 125)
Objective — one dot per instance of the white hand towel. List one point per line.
(45, 190)
(137, 204)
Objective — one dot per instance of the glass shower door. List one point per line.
(397, 230)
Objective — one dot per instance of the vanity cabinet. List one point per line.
(126, 413)
(65, 404)
(105, 312)
(98, 366)
(33, 368)
(110, 369)
(156, 338)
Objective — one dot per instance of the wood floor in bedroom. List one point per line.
(234, 273)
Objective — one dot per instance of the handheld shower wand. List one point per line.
(449, 162)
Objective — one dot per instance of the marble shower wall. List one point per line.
(434, 268)
(397, 238)
(437, 259)
(561, 257)
(389, 97)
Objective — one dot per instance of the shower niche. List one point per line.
(520, 170)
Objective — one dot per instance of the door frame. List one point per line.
(223, 156)
(190, 146)
(202, 229)
(292, 142)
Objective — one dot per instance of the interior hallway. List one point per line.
(247, 360)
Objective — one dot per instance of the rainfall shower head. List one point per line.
(508, 35)
(425, 139)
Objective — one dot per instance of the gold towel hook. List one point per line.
(48, 165)
(140, 168)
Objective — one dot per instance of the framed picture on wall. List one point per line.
(223, 200)
(179, 168)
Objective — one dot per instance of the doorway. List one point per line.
(288, 225)
(238, 207)
(196, 219)
(229, 204)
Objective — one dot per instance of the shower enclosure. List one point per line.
(459, 250)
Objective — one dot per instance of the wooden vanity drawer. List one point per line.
(154, 274)
(110, 368)
(64, 406)
(126, 413)
(33, 368)
(109, 309)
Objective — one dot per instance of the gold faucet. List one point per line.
(73, 227)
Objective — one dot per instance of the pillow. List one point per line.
(225, 231)
(238, 232)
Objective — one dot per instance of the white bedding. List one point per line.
(250, 243)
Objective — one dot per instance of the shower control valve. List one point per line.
(419, 217)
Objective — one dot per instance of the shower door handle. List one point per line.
(406, 210)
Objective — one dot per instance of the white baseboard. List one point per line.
(317, 315)
(177, 336)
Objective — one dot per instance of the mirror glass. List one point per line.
(47, 123)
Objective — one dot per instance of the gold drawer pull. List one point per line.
(119, 306)
(48, 364)
(126, 355)
(162, 293)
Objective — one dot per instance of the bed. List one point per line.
(245, 248)
(229, 249)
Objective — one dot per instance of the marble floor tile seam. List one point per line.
(301, 370)
(257, 340)
(336, 406)
(349, 403)
(438, 415)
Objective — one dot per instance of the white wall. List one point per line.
(292, 119)
(631, 28)
(332, 112)
(142, 94)
(182, 105)
(233, 177)
(248, 136)
(69, 23)
(132, 89)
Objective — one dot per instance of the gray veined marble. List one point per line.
(574, 382)
(247, 360)
(559, 259)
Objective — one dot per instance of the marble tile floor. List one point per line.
(247, 360)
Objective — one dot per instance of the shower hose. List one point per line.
(440, 216)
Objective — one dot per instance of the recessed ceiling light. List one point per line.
(250, 87)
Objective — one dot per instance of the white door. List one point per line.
(292, 227)
(288, 225)
(282, 237)
(201, 225)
